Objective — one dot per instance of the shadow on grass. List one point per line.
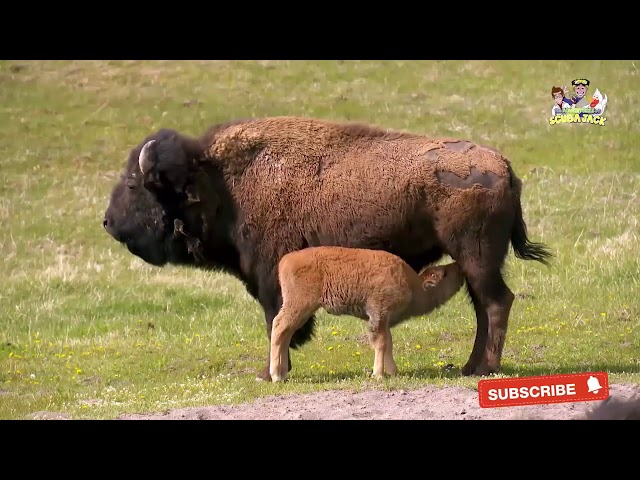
(449, 371)
(453, 372)
(528, 371)
(318, 377)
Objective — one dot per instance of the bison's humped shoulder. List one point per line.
(301, 136)
(234, 142)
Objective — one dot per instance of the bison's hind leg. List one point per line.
(492, 300)
(480, 254)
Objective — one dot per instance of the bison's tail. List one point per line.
(303, 334)
(522, 246)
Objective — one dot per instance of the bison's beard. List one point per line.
(159, 252)
(152, 254)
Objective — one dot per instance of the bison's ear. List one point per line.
(165, 162)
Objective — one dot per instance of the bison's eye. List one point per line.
(131, 181)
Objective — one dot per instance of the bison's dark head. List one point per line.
(151, 195)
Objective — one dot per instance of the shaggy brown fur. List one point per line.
(270, 186)
(367, 284)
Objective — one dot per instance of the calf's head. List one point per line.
(151, 194)
(450, 274)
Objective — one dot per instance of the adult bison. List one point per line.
(247, 192)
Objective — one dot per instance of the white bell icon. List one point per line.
(594, 385)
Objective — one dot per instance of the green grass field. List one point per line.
(89, 330)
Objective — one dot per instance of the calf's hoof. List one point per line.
(275, 377)
(392, 372)
(264, 375)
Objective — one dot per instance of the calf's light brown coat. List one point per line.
(373, 285)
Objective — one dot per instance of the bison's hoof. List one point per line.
(478, 371)
(468, 370)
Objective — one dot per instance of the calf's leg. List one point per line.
(381, 343)
(271, 301)
(390, 367)
(270, 313)
(285, 324)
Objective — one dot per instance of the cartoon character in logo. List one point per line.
(560, 101)
(580, 87)
(598, 103)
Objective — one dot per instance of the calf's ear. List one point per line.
(164, 162)
(427, 283)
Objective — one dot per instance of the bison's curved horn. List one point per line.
(144, 161)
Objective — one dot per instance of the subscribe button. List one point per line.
(574, 387)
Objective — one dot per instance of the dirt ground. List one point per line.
(429, 403)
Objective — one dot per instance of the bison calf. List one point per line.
(367, 284)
